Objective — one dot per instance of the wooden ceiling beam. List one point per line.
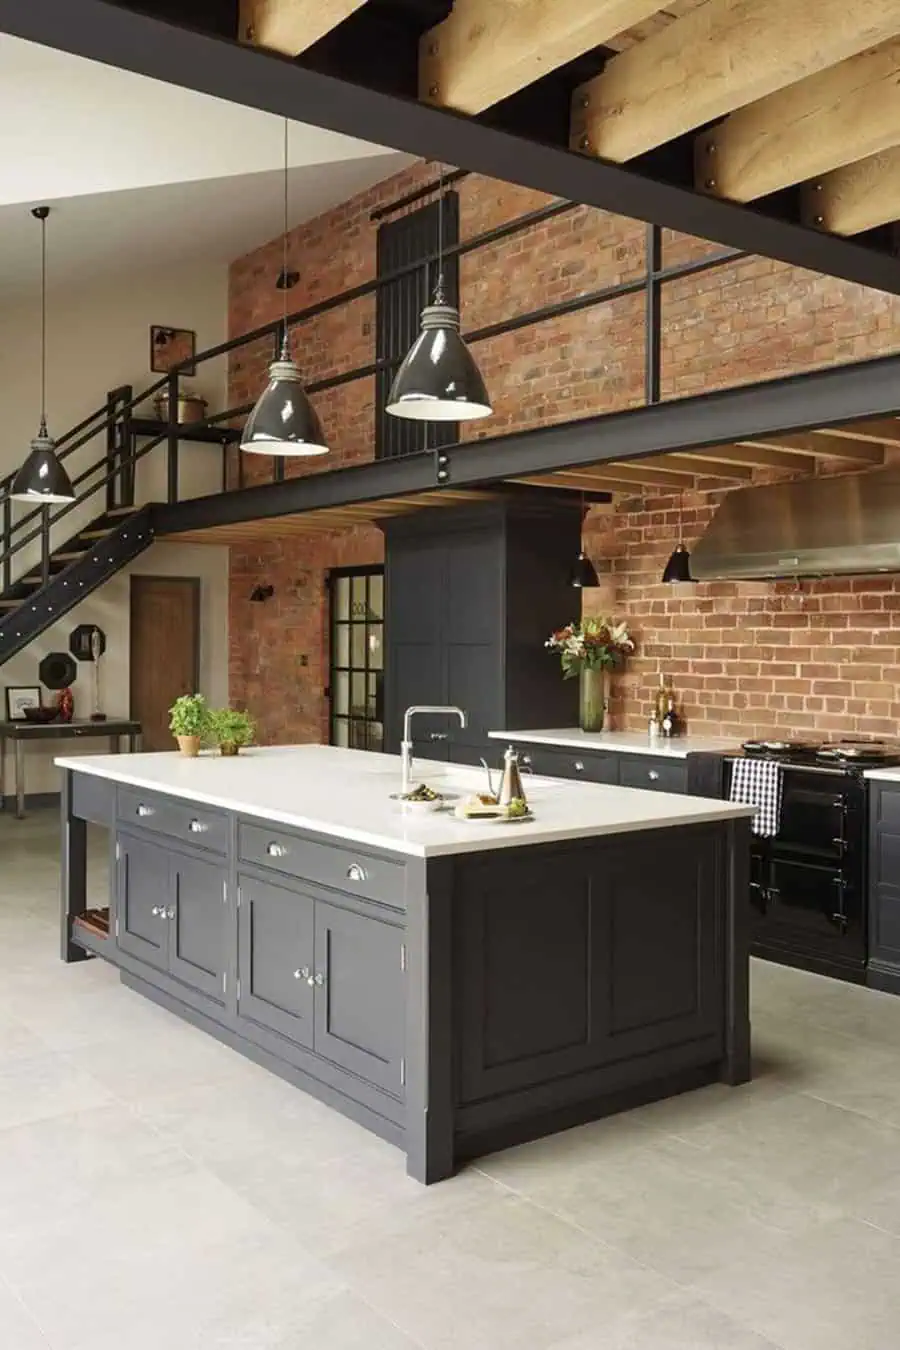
(885, 431)
(486, 50)
(758, 458)
(823, 444)
(711, 466)
(834, 117)
(856, 197)
(291, 26)
(719, 57)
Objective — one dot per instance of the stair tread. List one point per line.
(121, 511)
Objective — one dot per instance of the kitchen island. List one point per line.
(453, 986)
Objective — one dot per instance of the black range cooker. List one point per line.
(808, 882)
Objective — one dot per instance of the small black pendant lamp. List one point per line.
(439, 380)
(678, 568)
(42, 478)
(284, 422)
(583, 573)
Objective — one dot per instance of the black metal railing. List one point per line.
(115, 420)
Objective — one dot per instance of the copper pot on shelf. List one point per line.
(189, 408)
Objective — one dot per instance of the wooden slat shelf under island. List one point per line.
(453, 986)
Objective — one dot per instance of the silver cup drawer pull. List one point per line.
(356, 872)
(145, 810)
(198, 827)
(276, 850)
(579, 766)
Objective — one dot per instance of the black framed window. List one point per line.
(398, 307)
(356, 684)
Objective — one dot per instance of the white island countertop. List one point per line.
(345, 794)
(886, 775)
(627, 742)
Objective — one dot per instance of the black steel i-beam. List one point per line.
(103, 32)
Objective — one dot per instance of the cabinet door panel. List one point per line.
(276, 942)
(417, 677)
(474, 683)
(198, 929)
(142, 887)
(360, 1005)
(475, 578)
(415, 578)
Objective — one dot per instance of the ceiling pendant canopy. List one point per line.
(439, 380)
(284, 422)
(42, 479)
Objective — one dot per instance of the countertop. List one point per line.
(884, 775)
(627, 742)
(345, 794)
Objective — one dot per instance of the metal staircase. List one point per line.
(45, 571)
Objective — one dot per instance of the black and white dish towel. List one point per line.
(757, 782)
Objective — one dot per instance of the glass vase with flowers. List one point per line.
(590, 651)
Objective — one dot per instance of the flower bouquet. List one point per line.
(590, 650)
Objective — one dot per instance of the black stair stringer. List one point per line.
(66, 589)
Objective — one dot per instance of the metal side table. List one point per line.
(20, 733)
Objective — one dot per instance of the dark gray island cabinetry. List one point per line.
(453, 987)
(883, 968)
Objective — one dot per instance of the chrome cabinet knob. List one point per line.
(526, 759)
(144, 810)
(439, 736)
(356, 872)
(319, 980)
(579, 766)
(170, 912)
(302, 974)
(653, 775)
(276, 850)
(198, 827)
(158, 911)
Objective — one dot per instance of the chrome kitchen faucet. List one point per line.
(406, 745)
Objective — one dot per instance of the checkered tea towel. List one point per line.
(757, 782)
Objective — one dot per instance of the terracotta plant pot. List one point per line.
(189, 745)
(228, 748)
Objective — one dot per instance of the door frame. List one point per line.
(196, 585)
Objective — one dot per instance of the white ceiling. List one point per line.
(133, 167)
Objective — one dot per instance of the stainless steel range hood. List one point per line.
(828, 526)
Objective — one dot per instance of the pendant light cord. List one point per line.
(43, 220)
(285, 348)
(439, 298)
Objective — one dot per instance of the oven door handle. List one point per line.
(839, 917)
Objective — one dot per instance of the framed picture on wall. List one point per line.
(18, 698)
(169, 347)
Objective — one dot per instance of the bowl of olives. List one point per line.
(421, 800)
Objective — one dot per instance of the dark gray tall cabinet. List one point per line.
(471, 595)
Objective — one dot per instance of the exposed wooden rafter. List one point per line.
(717, 58)
(856, 197)
(488, 49)
(883, 431)
(822, 443)
(835, 117)
(757, 458)
(291, 26)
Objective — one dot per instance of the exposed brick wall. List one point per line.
(745, 658)
(750, 320)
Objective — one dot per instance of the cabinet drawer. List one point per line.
(593, 767)
(344, 869)
(659, 775)
(191, 824)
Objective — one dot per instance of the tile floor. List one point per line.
(156, 1190)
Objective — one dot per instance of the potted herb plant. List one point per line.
(229, 729)
(188, 722)
(590, 650)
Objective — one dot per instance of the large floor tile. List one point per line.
(18, 1329)
(683, 1322)
(38, 1086)
(837, 1288)
(492, 1275)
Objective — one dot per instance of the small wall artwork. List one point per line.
(20, 697)
(169, 347)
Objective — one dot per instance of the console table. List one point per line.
(113, 730)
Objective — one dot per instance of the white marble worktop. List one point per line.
(345, 794)
(626, 742)
(884, 775)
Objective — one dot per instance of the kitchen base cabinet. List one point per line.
(883, 969)
(171, 912)
(453, 1003)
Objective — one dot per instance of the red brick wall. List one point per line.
(750, 320)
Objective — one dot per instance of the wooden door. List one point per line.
(165, 651)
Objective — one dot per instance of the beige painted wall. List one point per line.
(98, 339)
(109, 609)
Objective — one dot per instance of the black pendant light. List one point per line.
(284, 422)
(439, 380)
(678, 568)
(42, 478)
(583, 574)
